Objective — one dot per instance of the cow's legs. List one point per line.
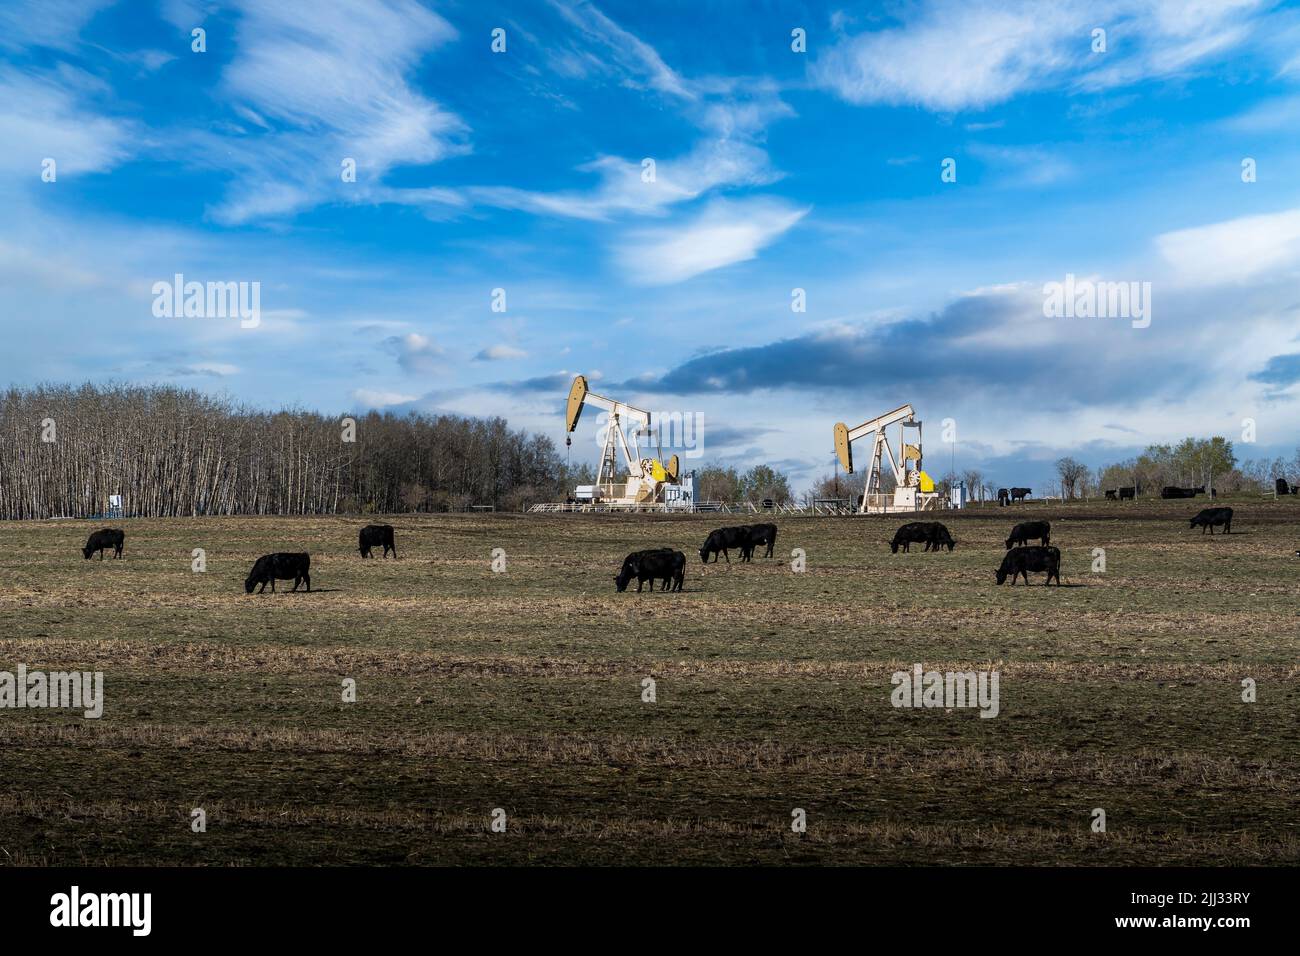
(726, 554)
(307, 578)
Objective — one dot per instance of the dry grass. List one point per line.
(522, 691)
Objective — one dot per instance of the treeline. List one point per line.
(760, 483)
(1196, 462)
(172, 452)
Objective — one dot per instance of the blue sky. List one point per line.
(774, 170)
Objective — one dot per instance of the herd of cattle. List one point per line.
(1168, 491)
(668, 566)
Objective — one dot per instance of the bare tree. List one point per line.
(1071, 472)
(171, 452)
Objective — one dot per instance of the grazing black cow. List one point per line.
(939, 537)
(1023, 532)
(373, 535)
(1020, 494)
(1020, 561)
(663, 564)
(107, 538)
(1212, 517)
(1112, 495)
(915, 531)
(722, 541)
(759, 535)
(1004, 497)
(283, 566)
(1280, 487)
(932, 533)
(1126, 494)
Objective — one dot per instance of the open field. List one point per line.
(522, 690)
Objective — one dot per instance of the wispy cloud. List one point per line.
(329, 83)
(950, 55)
(56, 24)
(47, 116)
(627, 187)
(724, 234)
(629, 54)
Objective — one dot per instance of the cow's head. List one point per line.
(87, 552)
(624, 576)
(893, 546)
(249, 583)
(948, 540)
(1002, 574)
(704, 555)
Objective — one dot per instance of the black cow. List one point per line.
(1111, 495)
(1211, 517)
(1023, 532)
(1280, 487)
(939, 537)
(759, 535)
(1004, 496)
(284, 566)
(1020, 561)
(663, 564)
(373, 535)
(1127, 494)
(723, 540)
(1171, 491)
(1020, 494)
(107, 538)
(934, 534)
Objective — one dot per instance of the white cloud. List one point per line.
(47, 23)
(1235, 250)
(44, 117)
(711, 165)
(1023, 165)
(415, 352)
(732, 112)
(497, 353)
(333, 78)
(724, 234)
(951, 55)
(213, 369)
(371, 398)
(630, 54)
